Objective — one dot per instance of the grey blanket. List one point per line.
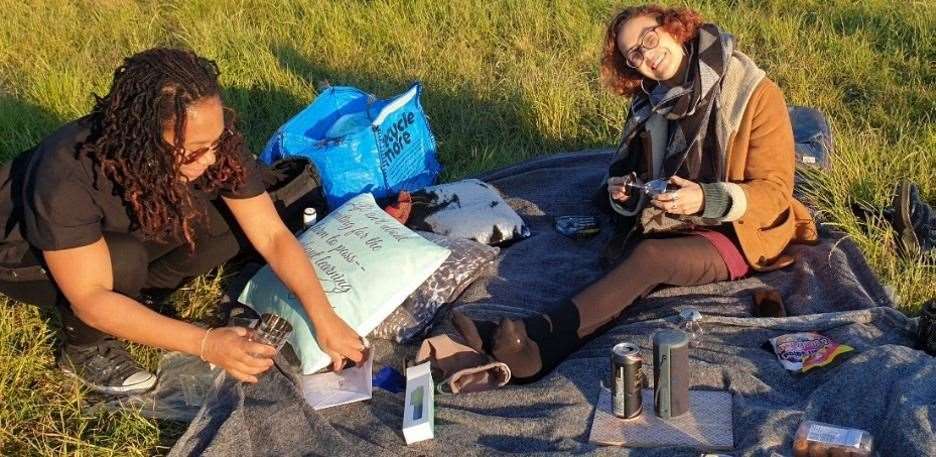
(885, 387)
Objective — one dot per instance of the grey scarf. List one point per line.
(689, 106)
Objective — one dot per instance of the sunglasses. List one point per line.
(193, 156)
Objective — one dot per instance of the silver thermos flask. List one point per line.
(670, 373)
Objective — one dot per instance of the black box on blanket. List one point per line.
(707, 426)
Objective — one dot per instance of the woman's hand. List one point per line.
(279, 247)
(228, 348)
(338, 340)
(688, 199)
(617, 188)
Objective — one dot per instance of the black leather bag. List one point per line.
(294, 184)
(14, 264)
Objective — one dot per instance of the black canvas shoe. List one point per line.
(913, 219)
(922, 220)
(106, 367)
(927, 327)
(900, 217)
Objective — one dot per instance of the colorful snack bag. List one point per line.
(807, 350)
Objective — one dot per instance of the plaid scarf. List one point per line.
(689, 108)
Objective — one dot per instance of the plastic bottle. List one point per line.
(272, 330)
(309, 217)
(691, 323)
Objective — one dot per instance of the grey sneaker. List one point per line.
(106, 367)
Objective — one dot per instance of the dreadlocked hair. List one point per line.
(150, 90)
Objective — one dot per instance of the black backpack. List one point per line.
(813, 137)
(294, 184)
(813, 141)
(13, 246)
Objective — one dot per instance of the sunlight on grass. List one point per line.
(504, 81)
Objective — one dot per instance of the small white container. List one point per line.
(825, 440)
(309, 217)
(419, 408)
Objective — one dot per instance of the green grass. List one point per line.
(504, 81)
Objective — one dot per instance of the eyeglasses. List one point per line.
(648, 40)
(193, 156)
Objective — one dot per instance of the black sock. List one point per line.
(478, 334)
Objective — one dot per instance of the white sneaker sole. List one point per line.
(135, 388)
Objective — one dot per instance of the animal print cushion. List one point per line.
(467, 262)
(466, 209)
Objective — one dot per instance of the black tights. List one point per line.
(136, 266)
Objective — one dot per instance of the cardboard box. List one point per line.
(419, 408)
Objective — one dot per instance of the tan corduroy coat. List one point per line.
(760, 159)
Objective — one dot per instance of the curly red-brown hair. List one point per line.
(681, 23)
(153, 88)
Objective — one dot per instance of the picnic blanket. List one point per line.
(885, 387)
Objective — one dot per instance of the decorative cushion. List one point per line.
(367, 262)
(467, 262)
(466, 209)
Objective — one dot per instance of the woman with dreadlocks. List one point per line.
(702, 182)
(122, 201)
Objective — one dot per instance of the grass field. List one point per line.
(504, 81)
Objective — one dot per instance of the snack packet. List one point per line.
(807, 350)
(825, 440)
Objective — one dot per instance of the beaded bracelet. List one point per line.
(201, 353)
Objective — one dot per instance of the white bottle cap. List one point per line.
(309, 216)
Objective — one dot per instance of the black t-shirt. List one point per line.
(64, 206)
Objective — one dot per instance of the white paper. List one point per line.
(329, 389)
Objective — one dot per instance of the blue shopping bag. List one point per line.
(360, 144)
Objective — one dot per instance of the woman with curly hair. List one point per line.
(701, 182)
(122, 202)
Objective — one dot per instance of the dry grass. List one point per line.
(504, 81)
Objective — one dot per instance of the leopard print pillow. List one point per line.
(463, 266)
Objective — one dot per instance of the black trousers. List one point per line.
(137, 266)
